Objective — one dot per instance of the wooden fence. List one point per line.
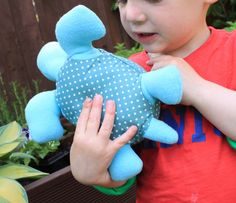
(25, 25)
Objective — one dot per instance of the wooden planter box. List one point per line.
(61, 187)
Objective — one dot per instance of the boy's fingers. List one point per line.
(95, 116)
(108, 120)
(126, 137)
(159, 61)
(83, 117)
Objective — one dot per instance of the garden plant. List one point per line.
(11, 139)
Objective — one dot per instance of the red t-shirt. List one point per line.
(202, 166)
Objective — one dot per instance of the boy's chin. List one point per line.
(152, 49)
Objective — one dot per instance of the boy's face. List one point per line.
(165, 26)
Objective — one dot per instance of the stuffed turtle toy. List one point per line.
(81, 70)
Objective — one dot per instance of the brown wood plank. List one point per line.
(61, 187)
(10, 53)
(29, 39)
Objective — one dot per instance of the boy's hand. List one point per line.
(191, 80)
(92, 150)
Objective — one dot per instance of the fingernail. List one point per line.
(148, 62)
(98, 97)
(88, 100)
(134, 127)
(110, 103)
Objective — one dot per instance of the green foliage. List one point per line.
(13, 109)
(24, 158)
(5, 115)
(221, 13)
(12, 191)
(121, 50)
(35, 151)
(114, 5)
(231, 26)
(11, 139)
(12, 103)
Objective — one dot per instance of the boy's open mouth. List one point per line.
(146, 37)
(145, 34)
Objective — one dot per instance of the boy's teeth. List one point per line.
(146, 34)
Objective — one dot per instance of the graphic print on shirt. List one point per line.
(182, 112)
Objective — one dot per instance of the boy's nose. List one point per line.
(134, 13)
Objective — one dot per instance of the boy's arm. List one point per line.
(216, 103)
(92, 150)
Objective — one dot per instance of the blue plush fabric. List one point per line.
(114, 78)
(81, 71)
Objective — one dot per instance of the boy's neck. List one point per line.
(195, 43)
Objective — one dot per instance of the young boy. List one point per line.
(201, 166)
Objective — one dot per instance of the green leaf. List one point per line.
(20, 157)
(17, 171)
(40, 151)
(2, 128)
(10, 132)
(121, 50)
(231, 26)
(8, 147)
(12, 191)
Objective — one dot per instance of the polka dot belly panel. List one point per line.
(113, 78)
